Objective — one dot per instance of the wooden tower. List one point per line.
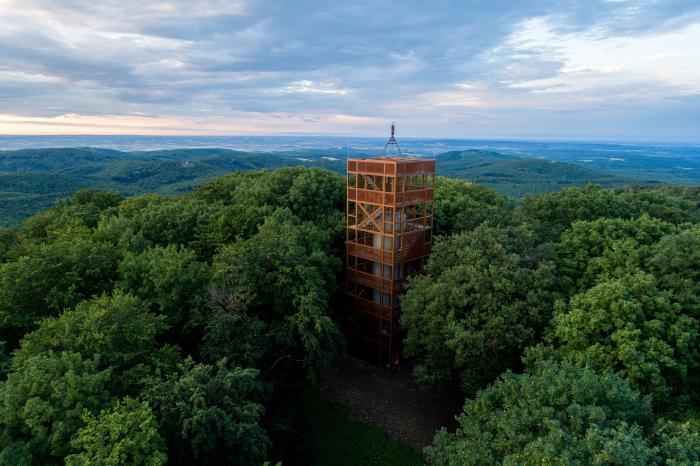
(388, 237)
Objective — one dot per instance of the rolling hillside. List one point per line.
(33, 179)
(518, 176)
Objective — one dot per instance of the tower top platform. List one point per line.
(391, 166)
(393, 158)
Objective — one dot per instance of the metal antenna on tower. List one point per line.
(392, 140)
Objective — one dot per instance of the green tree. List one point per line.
(476, 308)
(260, 188)
(43, 400)
(462, 206)
(316, 194)
(166, 220)
(236, 335)
(555, 413)
(8, 239)
(116, 330)
(594, 251)
(287, 268)
(230, 331)
(675, 261)
(51, 276)
(121, 232)
(659, 204)
(243, 200)
(630, 327)
(5, 360)
(677, 443)
(229, 223)
(223, 188)
(125, 435)
(103, 200)
(555, 212)
(208, 414)
(169, 278)
(310, 193)
(83, 210)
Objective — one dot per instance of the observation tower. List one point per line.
(388, 238)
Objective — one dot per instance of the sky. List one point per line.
(519, 69)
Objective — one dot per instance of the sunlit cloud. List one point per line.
(306, 86)
(589, 63)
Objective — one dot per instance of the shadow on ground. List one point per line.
(392, 401)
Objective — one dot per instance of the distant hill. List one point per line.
(518, 176)
(34, 179)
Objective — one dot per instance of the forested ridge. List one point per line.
(187, 329)
(32, 180)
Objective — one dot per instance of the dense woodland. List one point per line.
(180, 329)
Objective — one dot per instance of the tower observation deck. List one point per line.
(388, 237)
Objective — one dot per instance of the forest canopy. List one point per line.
(585, 300)
(160, 329)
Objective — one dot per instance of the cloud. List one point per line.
(588, 64)
(306, 86)
(443, 68)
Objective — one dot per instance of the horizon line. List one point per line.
(526, 139)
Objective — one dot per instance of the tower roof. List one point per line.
(391, 166)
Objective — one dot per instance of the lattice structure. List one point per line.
(388, 237)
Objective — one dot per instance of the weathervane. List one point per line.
(392, 140)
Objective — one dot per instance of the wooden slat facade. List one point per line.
(388, 237)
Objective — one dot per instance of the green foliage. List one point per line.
(121, 232)
(8, 239)
(312, 194)
(287, 268)
(657, 203)
(477, 307)
(461, 206)
(231, 332)
(597, 250)
(553, 414)
(170, 278)
(35, 179)
(258, 188)
(315, 194)
(26, 194)
(125, 435)
(209, 416)
(165, 220)
(51, 276)
(83, 210)
(630, 327)
(116, 331)
(677, 443)
(5, 360)
(100, 199)
(43, 400)
(555, 212)
(229, 223)
(626, 266)
(675, 261)
(99, 294)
